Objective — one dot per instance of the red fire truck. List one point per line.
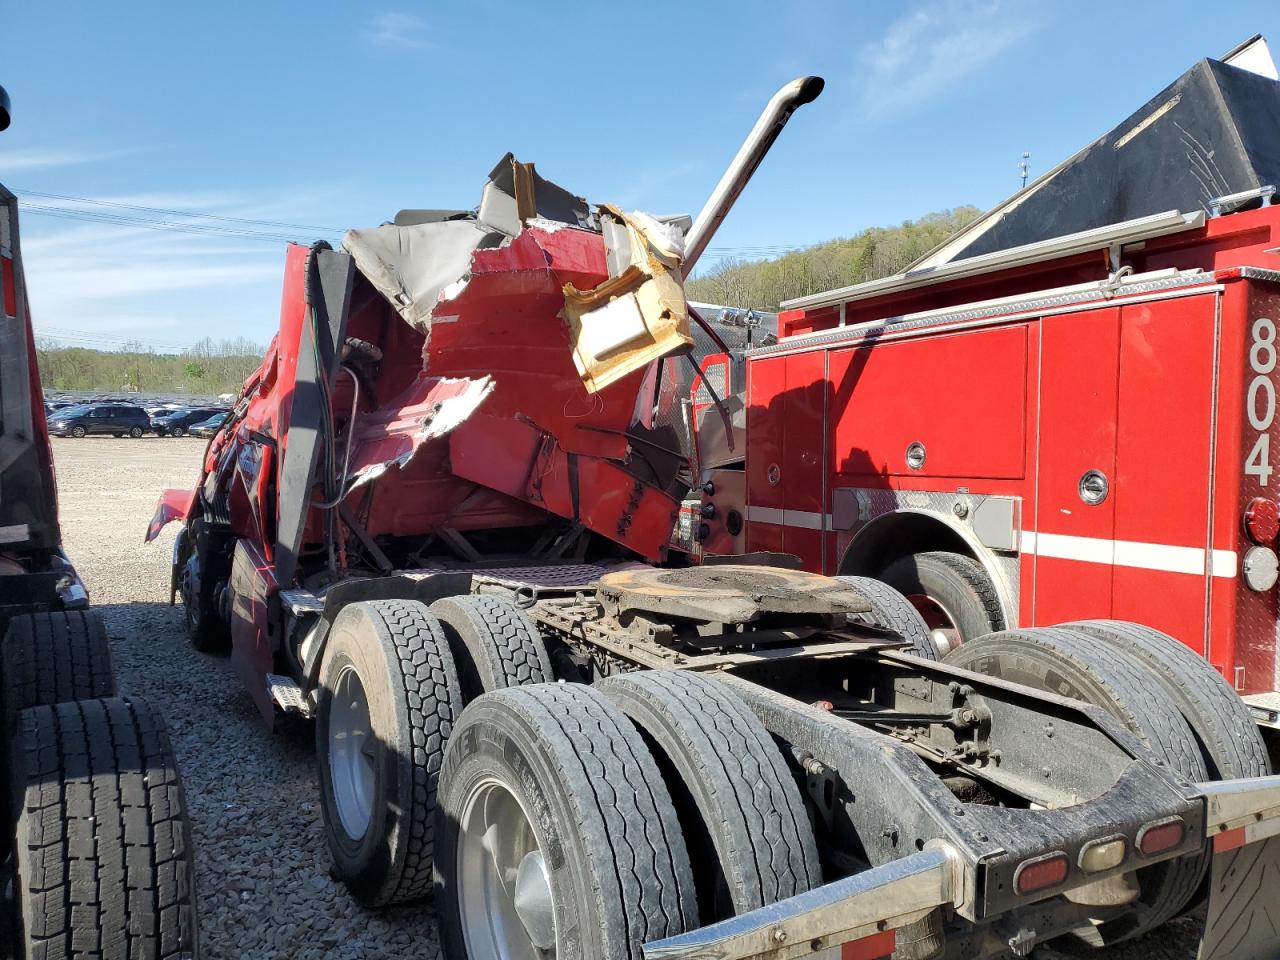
(1090, 429)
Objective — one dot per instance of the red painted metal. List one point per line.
(1167, 396)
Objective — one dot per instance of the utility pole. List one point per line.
(1024, 165)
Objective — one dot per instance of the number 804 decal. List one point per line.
(1260, 401)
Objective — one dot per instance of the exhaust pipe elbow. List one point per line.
(776, 113)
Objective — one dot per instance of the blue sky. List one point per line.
(332, 115)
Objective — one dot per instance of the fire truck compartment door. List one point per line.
(1072, 538)
(949, 406)
(786, 465)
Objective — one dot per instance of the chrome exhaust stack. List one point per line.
(775, 116)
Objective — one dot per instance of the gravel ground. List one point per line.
(262, 863)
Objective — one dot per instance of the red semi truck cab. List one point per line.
(1078, 428)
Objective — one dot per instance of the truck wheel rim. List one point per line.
(504, 890)
(943, 632)
(351, 754)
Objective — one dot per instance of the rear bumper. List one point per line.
(1265, 708)
(857, 916)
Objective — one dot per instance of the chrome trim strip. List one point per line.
(1035, 306)
(1130, 231)
(875, 900)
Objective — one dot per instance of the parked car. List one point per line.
(116, 419)
(208, 427)
(175, 423)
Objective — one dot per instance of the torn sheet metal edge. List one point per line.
(428, 419)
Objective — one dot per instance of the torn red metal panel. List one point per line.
(173, 505)
(505, 321)
(389, 437)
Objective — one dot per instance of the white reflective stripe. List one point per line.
(786, 518)
(1129, 553)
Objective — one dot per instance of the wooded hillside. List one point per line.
(869, 255)
(207, 369)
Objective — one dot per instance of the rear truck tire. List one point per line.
(176, 432)
(388, 701)
(50, 658)
(78, 432)
(493, 643)
(739, 808)
(1229, 739)
(952, 593)
(551, 784)
(1107, 677)
(103, 855)
(890, 610)
(135, 432)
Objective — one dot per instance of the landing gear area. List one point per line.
(727, 760)
(98, 857)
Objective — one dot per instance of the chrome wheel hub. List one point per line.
(352, 749)
(504, 889)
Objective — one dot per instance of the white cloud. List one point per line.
(391, 29)
(37, 158)
(927, 53)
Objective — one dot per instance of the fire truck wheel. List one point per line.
(890, 610)
(1075, 665)
(493, 643)
(1229, 739)
(52, 658)
(740, 810)
(388, 700)
(102, 844)
(952, 592)
(556, 835)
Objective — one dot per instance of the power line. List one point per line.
(179, 213)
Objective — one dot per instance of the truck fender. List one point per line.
(948, 529)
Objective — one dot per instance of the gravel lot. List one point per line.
(262, 863)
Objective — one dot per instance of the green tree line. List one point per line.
(873, 253)
(208, 368)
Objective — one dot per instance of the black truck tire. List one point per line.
(50, 658)
(1229, 738)
(890, 610)
(135, 433)
(749, 837)
(198, 584)
(1107, 677)
(953, 582)
(406, 679)
(103, 854)
(493, 643)
(590, 794)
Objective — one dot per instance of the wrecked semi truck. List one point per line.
(438, 523)
(95, 851)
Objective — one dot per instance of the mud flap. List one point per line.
(1243, 922)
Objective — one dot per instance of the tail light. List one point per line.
(1041, 873)
(1161, 836)
(1262, 520)
(1103, 855)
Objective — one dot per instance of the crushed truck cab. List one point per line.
(442, 524)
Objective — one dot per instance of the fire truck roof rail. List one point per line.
(1100, 238)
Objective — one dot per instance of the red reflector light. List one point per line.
(1161, 836)
(1262, 520)
(1041, 873)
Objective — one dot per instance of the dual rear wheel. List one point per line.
(1159, 690)
(557, 819)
